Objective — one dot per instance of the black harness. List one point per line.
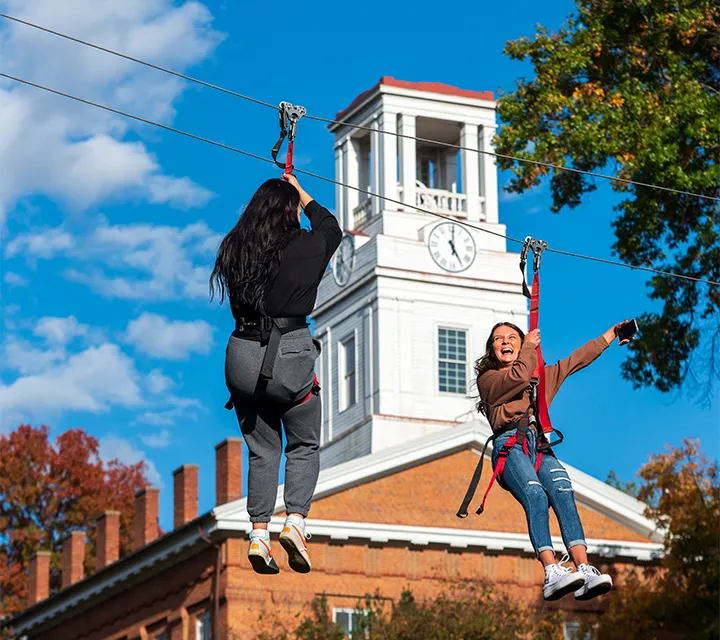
(270, 331)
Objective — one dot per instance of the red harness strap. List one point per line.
(313, 390)
(289, 157)
(539, 373)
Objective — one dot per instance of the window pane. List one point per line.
(343, 619)
(351, 390)
(452, 361)
(350, 356)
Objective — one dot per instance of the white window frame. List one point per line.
(466, 331)
(343, 399)
(350, 611)
(203, 620)
(571, 631)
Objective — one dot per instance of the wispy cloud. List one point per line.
(158, 383)
(14, 280)
(131, 262)
(157, 440)
(160, 337)
(113, 447)
(93, 380)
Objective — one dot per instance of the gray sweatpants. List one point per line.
(264, 410)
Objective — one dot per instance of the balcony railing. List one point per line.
(361, 213)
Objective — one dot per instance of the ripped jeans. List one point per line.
(536, 492)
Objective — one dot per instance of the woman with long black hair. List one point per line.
(504, 374)
(270, 270)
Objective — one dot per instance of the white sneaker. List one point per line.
(596, 583)
(260, 554)
(559, 580)
(292, 538)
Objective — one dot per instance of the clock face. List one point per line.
(344, 260)
(452, 247)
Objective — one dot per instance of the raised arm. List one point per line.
(322, 222)
(556, 374)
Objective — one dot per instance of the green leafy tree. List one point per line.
(464, 612)
(633, 87)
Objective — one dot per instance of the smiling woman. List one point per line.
(522, 457)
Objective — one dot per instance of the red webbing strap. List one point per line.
(316, 383)
(502, 457)
(289, 157)
(539, 373)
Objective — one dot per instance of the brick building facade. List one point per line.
(384, 522)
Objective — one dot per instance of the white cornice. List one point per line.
(589, 491)
(499, 541)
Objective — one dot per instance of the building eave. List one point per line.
(166, 551)
(590, 491)
(443, 538)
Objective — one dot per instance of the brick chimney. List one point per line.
(228, 470)
(73, 558)
(39, 575)
(185, 487)
(146, 516)
(108, 539)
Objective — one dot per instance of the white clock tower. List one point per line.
(412, 297)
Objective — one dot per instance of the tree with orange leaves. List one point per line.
(46, 492)
(680, 599)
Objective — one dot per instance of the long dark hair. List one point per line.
(489, 360)
(249, 256)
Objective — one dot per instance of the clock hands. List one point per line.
(452, 244)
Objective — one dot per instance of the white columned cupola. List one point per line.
(410, 299)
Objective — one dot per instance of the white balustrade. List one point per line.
(361, 213)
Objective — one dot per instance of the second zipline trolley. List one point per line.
(538, 401)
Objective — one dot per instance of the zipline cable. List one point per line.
(537, 163)
(336, 182)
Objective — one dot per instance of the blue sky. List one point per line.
(109, 227)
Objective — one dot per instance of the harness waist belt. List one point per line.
(271, 330)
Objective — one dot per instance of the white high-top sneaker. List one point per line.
(596, 583)
(559, 580)
(292, 538)
(260, 554)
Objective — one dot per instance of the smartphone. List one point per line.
(628, 330)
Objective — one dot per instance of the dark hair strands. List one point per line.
(249, 256)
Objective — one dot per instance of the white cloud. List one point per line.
(131, 262)
(14, 279)
(93, 380)
(172, 340)
(75, 153)
(181, 409)
(157, 440)
(112, 447)
(158, 383)
(41, 243)
(57, 330)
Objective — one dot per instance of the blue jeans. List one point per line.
(536, 492)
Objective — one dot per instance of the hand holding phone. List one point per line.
(625, 331)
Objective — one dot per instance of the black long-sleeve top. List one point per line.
(305, 258)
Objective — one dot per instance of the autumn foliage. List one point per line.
(49, 490)
(681, 598)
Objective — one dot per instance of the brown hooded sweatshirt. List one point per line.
(506, 392)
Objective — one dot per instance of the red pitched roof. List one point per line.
(430, 87)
